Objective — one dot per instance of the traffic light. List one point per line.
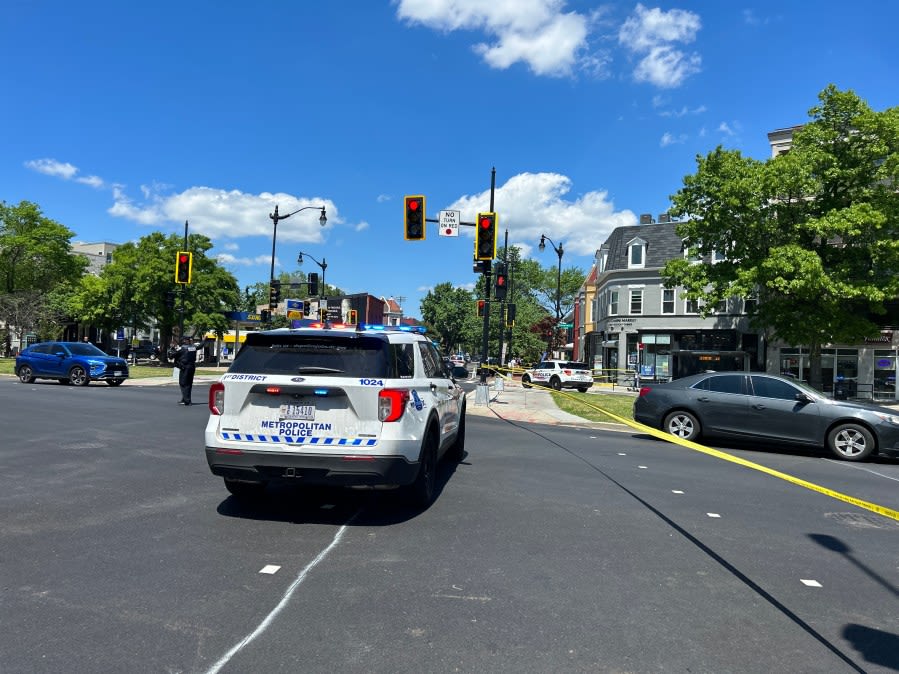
(510, 315)
(485, 237)
(274, 294)
(307, 309)
(183, 264)
(354, 316)
(266, 315)
(323, 314)
(414, 218)
(312, 280)
(481, 266)
(500, 286)
(169, 299)
(481, 305)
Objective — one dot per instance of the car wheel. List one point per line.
(682, 425)
(26, 375)
(526, 381)
(245, 490)
(850, 442)
(556, 384)
(78, 376)
(583, 389)
(114, 382)
(421, 492)
(457, 451)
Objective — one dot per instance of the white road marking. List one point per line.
(641, 467)
(810, 583)
(621, 454)
(281, 604)
(269, 568)
(676, 491)
(867, 470)
(713, 514)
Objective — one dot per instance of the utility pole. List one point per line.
(183, 292)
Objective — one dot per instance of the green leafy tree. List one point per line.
(131, 289)
(812, 234)
(449, 312)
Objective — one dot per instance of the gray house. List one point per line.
(638, 325)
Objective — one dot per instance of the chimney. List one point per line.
(664, 217)
(646, 218)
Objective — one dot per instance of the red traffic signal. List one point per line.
(414, 218)
(500, 287)
(481, 308)
(183, 267)
(485, 237)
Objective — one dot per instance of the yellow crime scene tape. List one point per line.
(695, 446)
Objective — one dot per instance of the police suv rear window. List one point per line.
(331, 355)
(572, 365)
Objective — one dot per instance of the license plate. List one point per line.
(117, 373)
(295, 411)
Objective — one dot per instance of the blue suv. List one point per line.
(74, 363)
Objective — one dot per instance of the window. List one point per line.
(668, 300)
(613, 302)
(692, 254)
(721, 307)
(636, 254)
(723, 383)
(431, 360)
(718, 256)
(636, 302)
(766, 387)
(691, 306)
(750, 304)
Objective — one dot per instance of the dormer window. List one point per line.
(636, 253)
(603, 259)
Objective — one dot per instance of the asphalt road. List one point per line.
(549, 549)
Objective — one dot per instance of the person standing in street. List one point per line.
(186, 362)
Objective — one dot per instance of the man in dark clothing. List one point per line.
(186, 362)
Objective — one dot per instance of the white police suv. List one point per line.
(559, 374)
(335, 405)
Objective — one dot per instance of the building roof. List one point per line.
(662, 244)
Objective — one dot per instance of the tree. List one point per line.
(35, 251)
(813, 234)
(130, 290)
(450, 313)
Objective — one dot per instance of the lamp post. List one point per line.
(323, 220)
(559, 252)
(321, 265)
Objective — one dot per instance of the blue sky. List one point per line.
(123, 118)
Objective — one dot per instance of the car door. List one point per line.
(778, 415)
(40, 359)
(722, 403)
(442, 387)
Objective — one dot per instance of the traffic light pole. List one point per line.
(487, 274)
(183, 293)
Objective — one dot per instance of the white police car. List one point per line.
(334, 405)
(559, 374)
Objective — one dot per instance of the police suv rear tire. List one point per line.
(422, 491)
(526, 381)
(556, 384)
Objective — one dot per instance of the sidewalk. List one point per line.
(516, 403)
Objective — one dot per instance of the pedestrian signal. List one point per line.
(500, 287)
(312, 280)
(414, 218)
(354, 316)
(169, 299)
(485, 237)
(481, 308)
(183, 264)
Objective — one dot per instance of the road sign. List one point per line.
(295, 304)
(449, 222)
(566, 326)
(293, 314)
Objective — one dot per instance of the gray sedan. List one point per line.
(756, 406)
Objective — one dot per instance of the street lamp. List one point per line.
(323, 220)
(321, 265)
(559, 251)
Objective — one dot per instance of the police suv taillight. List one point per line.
(217, 398)
(392, 403)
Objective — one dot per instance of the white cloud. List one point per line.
(362, 226)
(229, 213)
(93, 181)
(535, 32)
(671, 139)
(51, 167)
(531, 204)
(652, 33)
(725, 129)
(383, 197)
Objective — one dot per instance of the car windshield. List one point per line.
(84, 349)
(325, 355)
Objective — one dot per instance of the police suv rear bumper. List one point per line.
(318, 469)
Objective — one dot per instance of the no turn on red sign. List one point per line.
(449, 222)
